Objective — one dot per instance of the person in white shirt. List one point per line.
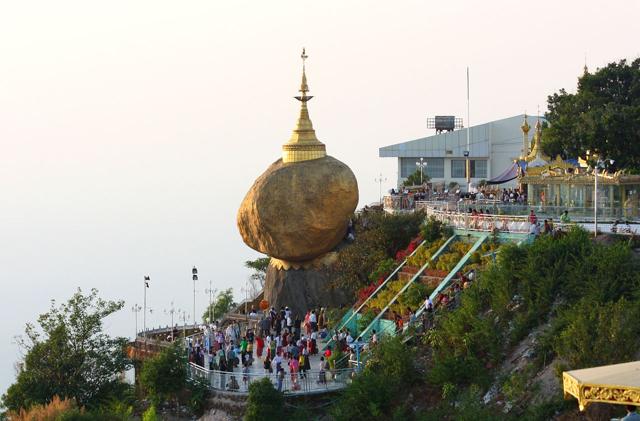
(349, 338)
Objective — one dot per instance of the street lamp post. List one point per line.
(185, 316)
(171, 311)
(598, 163)
(136, 309)
(421, 164)
(380, 180)
(211, 292)
(194, 273)
(147, 278)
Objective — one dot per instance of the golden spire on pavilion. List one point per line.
(536, 155)
(525, 137)
(303, 144)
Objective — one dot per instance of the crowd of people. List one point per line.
(271, 344)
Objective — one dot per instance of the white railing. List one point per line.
(481, 222)
(299, 383)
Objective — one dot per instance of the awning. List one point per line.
(507, 175)
(616, 384)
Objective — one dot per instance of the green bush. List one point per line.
(164, 376)
(390, 371)
(150, 414)
(599, 333)
(264, 403)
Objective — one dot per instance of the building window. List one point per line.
(458, 168)
(478, 168)
(433, 169)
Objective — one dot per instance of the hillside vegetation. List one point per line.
(574, 300)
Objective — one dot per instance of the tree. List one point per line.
(222, 304)
(164, 375)
(378, 236)
(69, 356)
(265, 403)
(414, 179)
(603, 116)
(259, 267)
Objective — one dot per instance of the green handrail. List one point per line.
(404, 288)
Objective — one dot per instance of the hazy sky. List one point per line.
(130, 131)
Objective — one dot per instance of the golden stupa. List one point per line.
(299, 208)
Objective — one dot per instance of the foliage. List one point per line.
(67, 410)
(365, 320)
(333, 316)
(433, 230)
(521, 290)
(602, 116)
(379, 236)
(389, 371)
(198, 396)
(222, 304)
(150, 414)
(70, 356)
(264, 403)
(449, 259)
(414, 296)
(43, 412)
(259, 267)
(414, 179)
(164, 376)
(425, 253)
(599, 333)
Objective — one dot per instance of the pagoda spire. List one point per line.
(303, 144)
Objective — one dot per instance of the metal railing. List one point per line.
(299, 383)
(482, 222)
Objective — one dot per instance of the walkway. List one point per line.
(312, 382)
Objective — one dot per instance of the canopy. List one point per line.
(617, 384)
(507, 175)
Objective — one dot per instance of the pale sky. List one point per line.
(130, 131)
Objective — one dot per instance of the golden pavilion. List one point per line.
(570, 184)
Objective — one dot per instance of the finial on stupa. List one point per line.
(525, 125)
(303, 144)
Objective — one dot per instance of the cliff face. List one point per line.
(301, 290)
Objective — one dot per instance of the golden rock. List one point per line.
(298, 211)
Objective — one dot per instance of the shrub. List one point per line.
(389, 372)
(264, 403)
(599, 333)
(164, 375)
(150, 414)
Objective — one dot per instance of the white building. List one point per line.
(493, 148)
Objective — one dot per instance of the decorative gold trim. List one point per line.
(587, 393)
(326, 260)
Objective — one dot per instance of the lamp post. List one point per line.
(194, 273)
(421, 164)
(147, 278)
(184, 315)
(380, 180)
(211, 292)
(171, 311)
(598, 163)
(136, 309)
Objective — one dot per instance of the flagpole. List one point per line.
(468, 167)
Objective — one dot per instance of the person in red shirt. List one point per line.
(259, 346)
(327, 352)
